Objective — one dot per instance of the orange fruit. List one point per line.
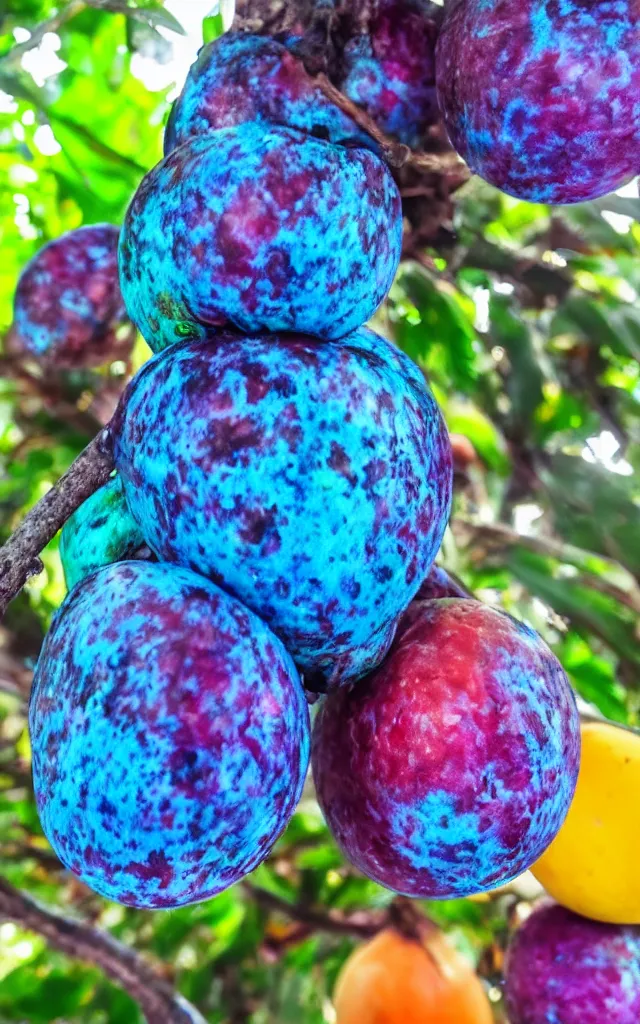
(397, 980)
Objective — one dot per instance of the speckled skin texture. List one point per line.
(170, 736)
(68, 310)
(542, 97)
(98, 533)
(565, 969)
(260, 228)
(451, 768)
(240, 78)
(391, 71)
(440, 584)
(312, 480)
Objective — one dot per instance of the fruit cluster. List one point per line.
(283, 484)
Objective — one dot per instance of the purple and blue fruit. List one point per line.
(565, 968)
(98, 533)
(312, 480)
(439, 584)
(449, 769)
(542, 97)
(170, 736)
(258, 228)
(240, 78)
(390, 71)
(68, 309)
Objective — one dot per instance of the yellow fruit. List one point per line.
(592, 864)
(394, 980)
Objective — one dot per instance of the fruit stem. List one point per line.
(19, 557)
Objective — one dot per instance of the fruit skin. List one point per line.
(592, 864)
(390, 72)
(439, 584)
(260, 229)
(240, 78)
(98, 533)
(311, 480)
(449, 769)
(561, 967)
(170, 736)
(68, 310)
(540, 97)
(396, 980)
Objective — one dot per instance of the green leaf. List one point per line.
(212, 27)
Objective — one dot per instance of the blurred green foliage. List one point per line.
(528, 326)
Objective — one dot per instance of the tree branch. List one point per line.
(504, 536)
(52, 24)
(361, 925)
(19, 557)
(395, 153)
(158, 1001)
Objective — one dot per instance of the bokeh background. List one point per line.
(526, 320)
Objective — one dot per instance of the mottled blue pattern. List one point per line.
(564, 969)
(68, 310)
(258, 228)
(313, 480)
(450, 769)
(170, 736)
(542, 97)
(240, 78)
(98, 533)
(390, 71)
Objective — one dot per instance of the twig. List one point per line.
(395, 153)
(505, 536)
(19, 557)
(362, 926)
(158, 1001)
(52, 24)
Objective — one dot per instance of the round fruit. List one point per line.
(390, 72)
(98, 533)
(311, 480)
(449, 769)
(592, 864)
(395, 980)
(260, 229)
(68, 310)
(564, 968)
(240, 78)
(440, 584)
(541, 97)
(170, 736)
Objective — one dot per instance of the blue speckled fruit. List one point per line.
(542, 97)
(312, 480)
(449, 769)
(170, 736)
(240, 78)
(68, 310)
(98, 533)
(260, 228)
(566, 969)
(390, 71)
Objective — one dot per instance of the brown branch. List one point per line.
(504, 536)
(360, 925)
(395, 153)
(158, 1001)
(19, 557)
(52, 24)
